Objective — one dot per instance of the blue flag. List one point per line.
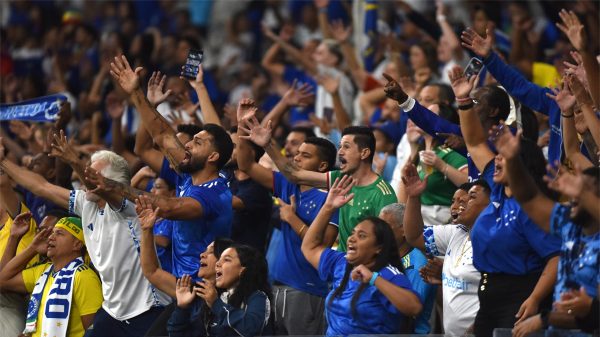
(368, 53)
(40, 109)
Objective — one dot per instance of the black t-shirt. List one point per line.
(251, 224)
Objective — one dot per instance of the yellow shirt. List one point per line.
(86, 298)
(545, 75)
(25, 240)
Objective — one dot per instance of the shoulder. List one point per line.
(384, 189)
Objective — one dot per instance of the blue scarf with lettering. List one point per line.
(40, 109)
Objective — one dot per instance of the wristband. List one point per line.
(372, 280)
(463, 100)
(567, 116)
(466, 106)
(544, 315)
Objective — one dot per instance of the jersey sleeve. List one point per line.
(396, 277)
(76, 199)
(437, 239)
(87, 294)
(329, 259)
(31, 275)
(560, 216)
(332, 176)
(167, 173)
(544, 244)
(455, 159)
(206, 198)
(335, 218)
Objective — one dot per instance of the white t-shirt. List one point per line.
(460, 279)
(324, 101)
(402, 156)
(112, 238)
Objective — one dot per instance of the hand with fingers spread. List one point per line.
(579, 91)
(184, 293)
(287, 211)
(482, 47)
(207, 291)
(562, 96)
(259, 135)
(561, 180)
(576, 69)
(299, 96)
(176, 118)
(95, 178)
(146, 212)
(62, 150)
(393, 90)
(246, 107)
(127, 78)
(339, 193)
(461, 85)
(329, 83)
(572, 28)
(507, 144)
(41, 239)
(156, 85)
(20, 225)
(339, 32)
(413, 185)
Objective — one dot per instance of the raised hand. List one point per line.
(95, 178)
(339, 32)
(183, 292)
(460, 84)
(256, 133)
(246, 108)
(41, 238)
(507, 144)
(22, 130)
(127, 78)
(115, 106)
(564, 182)
(579, 90)
(146, 212)
(393, 90)
(64, 115)
(361, 274)
(339, 193)
(207, 291)
(572, 28)
(413, 185)
(299, 96)
(20, 225)
(477, 44)
(562, 96)
(329, 83)
(62, 150)
(156, 85)
(198, 82)
(287, 211)
(577, 69)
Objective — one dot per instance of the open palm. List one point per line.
(413, 185)
(63, 150)
(156, 86)
(183, 291)
(507, 144)
(460, 84)
(339, 193)
(256, 133)
(473, 41)
(127, 78)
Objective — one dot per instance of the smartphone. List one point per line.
(473, 68)
(192, 63)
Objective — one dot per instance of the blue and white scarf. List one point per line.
(58, 302)
(40, 109)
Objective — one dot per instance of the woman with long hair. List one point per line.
(241, 306)
(370, 293)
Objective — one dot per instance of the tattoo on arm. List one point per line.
(591, 146)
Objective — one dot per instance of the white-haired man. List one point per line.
(112, 234)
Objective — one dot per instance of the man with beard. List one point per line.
(202, 206)
(112, 233)
(579, 229)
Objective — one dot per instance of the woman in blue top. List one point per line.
(508, 248)
(241, 308)
(370, 293)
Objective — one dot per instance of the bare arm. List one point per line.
(404, 300)
(270, 63)
(10, 276)
(206, 105)
(294, 53)
(543, 288)
(570, 141)
(413, 219)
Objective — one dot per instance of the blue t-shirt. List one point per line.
(191, 237)
(505, 240)
(37, 205)
(290, 267)
(375, 314)
(164, 228)
(412, 263)
(578, 265)
(299, 114)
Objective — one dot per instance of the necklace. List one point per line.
(463, 250)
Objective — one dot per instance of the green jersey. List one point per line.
(440, 189)
(368, 201)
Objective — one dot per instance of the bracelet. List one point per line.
(467, 106)
(460, 101)
(303, 229)
(372, 280)
(446, 172)
(567, 116)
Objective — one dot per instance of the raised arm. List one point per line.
(313, 243)
(161, 279)
(34, 182)
(20, 227)
(293, 52)
(208, 109)
(586, 104)
(537, 206)
(9, 200)
(572, 185)
(342, 35)
(300, 96)
(470, 125)
(413, 220)
(261, 136)
(332, 85)
(158, 127)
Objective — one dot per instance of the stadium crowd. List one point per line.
(332, 167)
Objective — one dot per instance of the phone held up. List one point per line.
(192, 64)
(473, 68)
